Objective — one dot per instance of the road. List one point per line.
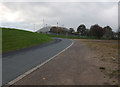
(18, 62)
(75, 66)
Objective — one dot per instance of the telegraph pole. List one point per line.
(57, 28)
(62, 25)
(46, 28)
(43, 22)
(57, 24)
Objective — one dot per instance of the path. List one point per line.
(75, 66)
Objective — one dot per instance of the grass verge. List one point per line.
(14, 39)
(69, 36)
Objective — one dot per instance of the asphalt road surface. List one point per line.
(18, 62)
(75, 66)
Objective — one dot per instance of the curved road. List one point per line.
(75, 66)
(18, 62)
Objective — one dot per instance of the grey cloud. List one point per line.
(67, 13)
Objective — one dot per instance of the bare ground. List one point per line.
(78, 65)
(107, 57)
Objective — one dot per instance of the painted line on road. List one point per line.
(37, 67)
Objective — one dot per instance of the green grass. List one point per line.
(69, 37)
(13, 39)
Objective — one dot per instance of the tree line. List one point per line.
(95, 31)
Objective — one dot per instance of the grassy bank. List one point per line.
(13, 39)
(69, 36)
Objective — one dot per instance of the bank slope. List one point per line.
(14, 39)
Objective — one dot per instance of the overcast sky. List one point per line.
(68, 14)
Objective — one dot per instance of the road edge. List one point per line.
(12, 52)
(35, 68)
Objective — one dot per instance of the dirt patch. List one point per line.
(106, 57)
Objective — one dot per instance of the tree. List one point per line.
(87, 33)
(108, 32)
(58, 30)
(81, 30)
(71, 31)
(97, 31)
(54, 29)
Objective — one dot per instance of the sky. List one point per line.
(34, 15)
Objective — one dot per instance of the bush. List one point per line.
(103, 68)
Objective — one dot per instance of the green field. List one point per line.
(13, 39)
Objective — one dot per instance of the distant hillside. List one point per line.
(44, 29)
(47, 29)
(13, 39)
